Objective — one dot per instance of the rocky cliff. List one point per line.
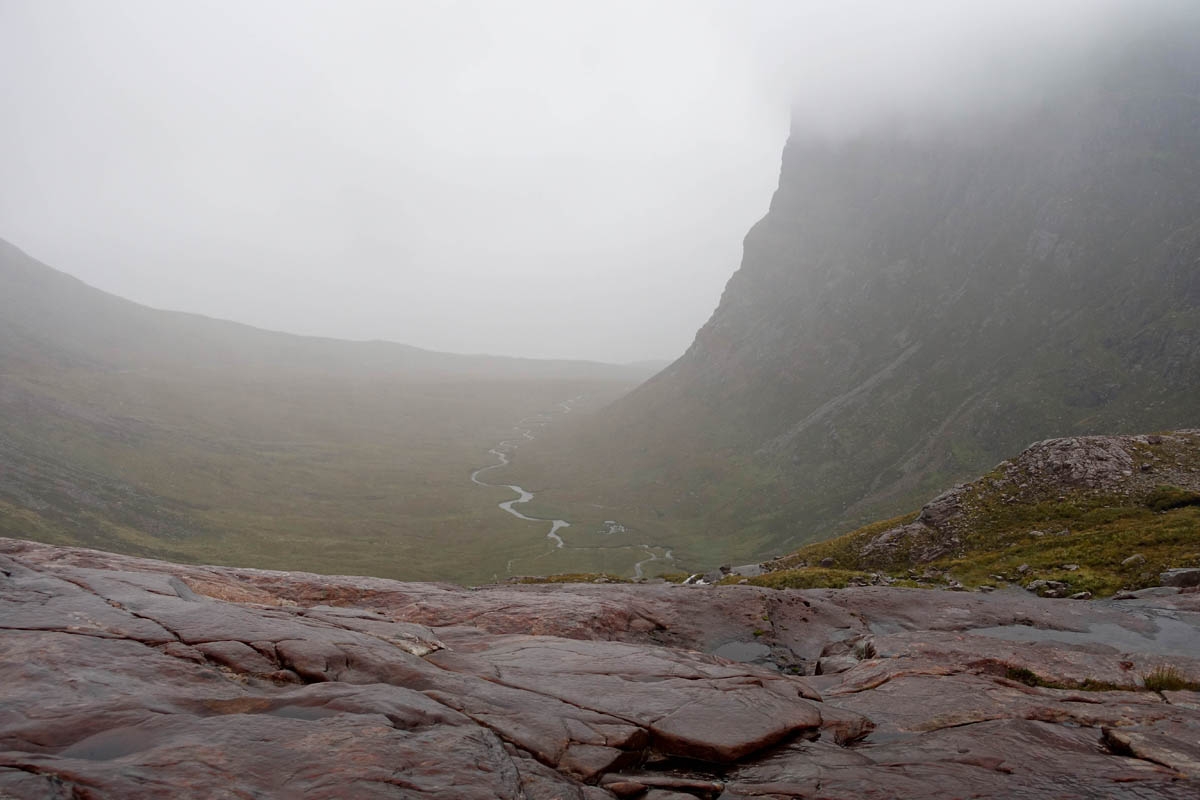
(128, 678)
(921, 301)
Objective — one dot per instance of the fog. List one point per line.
(549, 179)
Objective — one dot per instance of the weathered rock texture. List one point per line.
(129, 678)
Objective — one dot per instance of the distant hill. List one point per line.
(174, 435)
(920, 301)
(43, 310)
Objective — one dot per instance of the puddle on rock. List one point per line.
(743, 652)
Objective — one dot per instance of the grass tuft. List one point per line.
(808, 578)
(1031, 678)
(1166, 678)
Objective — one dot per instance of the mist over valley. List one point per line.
(600, 400)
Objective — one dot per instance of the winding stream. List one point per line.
(637, 568)
(502, 452)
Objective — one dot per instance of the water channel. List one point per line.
(524, 430)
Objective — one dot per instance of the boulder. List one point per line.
(1182, 578)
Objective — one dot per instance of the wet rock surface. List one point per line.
(129, 678)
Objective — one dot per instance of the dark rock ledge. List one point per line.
(128, 678)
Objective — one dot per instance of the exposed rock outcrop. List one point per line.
(1082, 467)
(129, 678)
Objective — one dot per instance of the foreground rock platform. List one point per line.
(128, 678)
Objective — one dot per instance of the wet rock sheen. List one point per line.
(130, 678)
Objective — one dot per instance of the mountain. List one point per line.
(174, 435)
(922, 299)
(43, 310)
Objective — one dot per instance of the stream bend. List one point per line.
(502, 452)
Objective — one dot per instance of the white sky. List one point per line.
(551, 179)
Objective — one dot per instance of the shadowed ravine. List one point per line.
(503, 451)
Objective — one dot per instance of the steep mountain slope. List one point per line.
(168, 434)
(920, 301)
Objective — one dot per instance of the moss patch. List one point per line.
(1167, 678)
(1165, 498)
(807, 578)
(1031, 678)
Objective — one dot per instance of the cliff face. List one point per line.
(918, 304)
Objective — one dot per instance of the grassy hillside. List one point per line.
(176, 436)
(1098, 514)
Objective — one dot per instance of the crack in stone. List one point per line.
(85, 587)
(41, 772)
(842, 692)
(97, 633)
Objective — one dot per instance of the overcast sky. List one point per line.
(550, 179)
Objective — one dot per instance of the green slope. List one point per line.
(177, 436)
(1098, 514)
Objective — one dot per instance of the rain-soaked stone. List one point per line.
(128, 678)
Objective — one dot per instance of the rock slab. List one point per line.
(129, 678)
